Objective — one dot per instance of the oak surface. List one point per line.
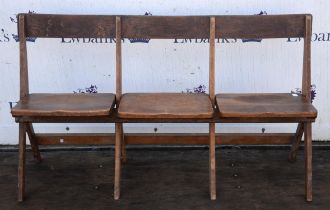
(264, 105)
(165, 105)
(66, 104)
(165, 27)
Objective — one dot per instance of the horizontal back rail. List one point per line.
(165, 27)
(257, 26)
(230, 26)
(71, 26)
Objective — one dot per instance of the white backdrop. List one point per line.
(66, 65)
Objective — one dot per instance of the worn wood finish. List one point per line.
(21, 162)
(113, 118)
(70, 26)
(260, 26)
(165, 105)
(212, 162)
(165, 27)
(212, 61)
(123, 146)
(162, 27)
(118, 140)
(308, 161)
(229, 26)
(162, 107)
(23, 63)
(24, 91)
(166, 138)
(296, 142)
(306, 79)
(65, 104)
(264, 105)
(33, 142)
(118, 61)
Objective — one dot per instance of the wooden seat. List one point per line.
(165, 105)
(265, 105)
(81, 105)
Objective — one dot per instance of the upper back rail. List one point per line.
(165, 27)
(70, 26)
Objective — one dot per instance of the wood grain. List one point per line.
(73, 26)
(308, 161)
(118, 61)
(265, 105)
(23, 63)
(118, 140)
(260, 26)
(306, 78)
(165, 105)
(212, 162)
(33, 142)
(165, 27)
(66, 104)
(113, 117)
(212, 61)
(296, 142)
(21, 162)
(166, 138)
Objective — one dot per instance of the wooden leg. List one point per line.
(34, 144)
(119, 135)
(212, 165)
(123, 146)
(296, 142)
(308, 161)
(21, 162)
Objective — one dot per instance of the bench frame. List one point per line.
(57, 26)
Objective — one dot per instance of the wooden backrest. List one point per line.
(59, 26)
(272, 26)
(165, 27)
(230, 26)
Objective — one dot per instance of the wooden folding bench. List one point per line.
(164, 107)
(272, 107)
(57, 108)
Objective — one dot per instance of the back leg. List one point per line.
(21, 162)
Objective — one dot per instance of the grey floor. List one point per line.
(166, 179)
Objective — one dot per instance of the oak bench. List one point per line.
(121, 108)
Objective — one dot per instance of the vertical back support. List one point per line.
(306, 84)
(118, 126)
(306, 78)
(24, 91)
(118, 60)
(212, 59)
(212, 162)
(24, 79)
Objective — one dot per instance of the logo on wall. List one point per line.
(4, 37)
(16, 37)
(140, 40)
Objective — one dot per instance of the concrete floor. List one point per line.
(166, 179)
